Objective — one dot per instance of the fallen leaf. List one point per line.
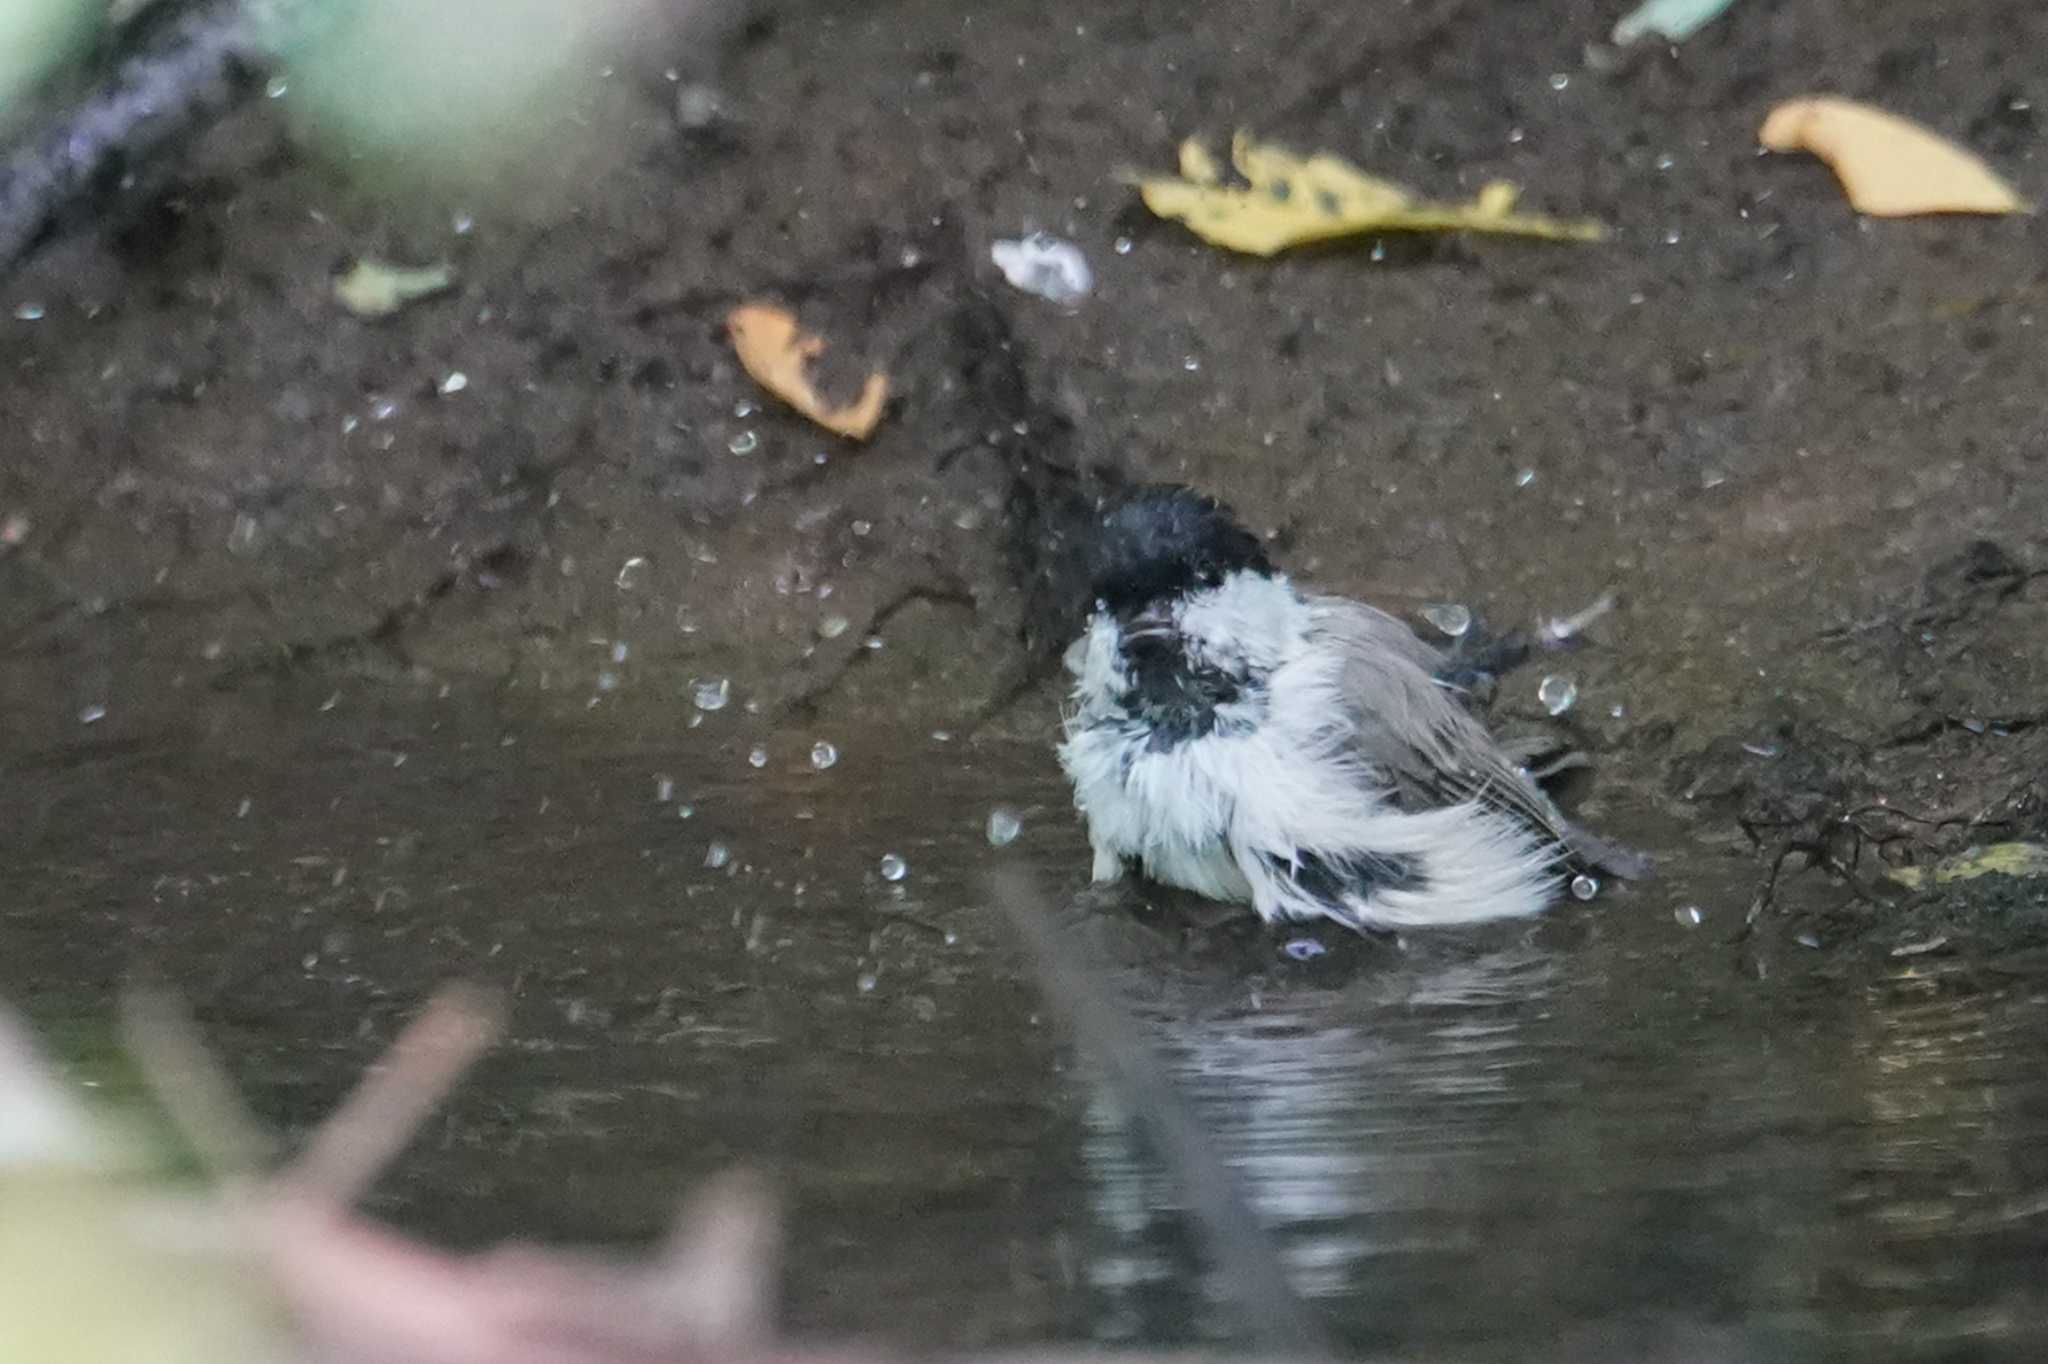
(374, 289)
(1890, 167)
(1672, 20)
(1998, 859)
(778, 353)
(1288, 200)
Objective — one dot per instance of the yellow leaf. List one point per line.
(1287, 200)
(1889, 167)
(778, 353)
(1999, 859)
(374, 289)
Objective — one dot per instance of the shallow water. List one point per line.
(1609, 1126)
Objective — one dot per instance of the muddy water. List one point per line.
(1610, 1125)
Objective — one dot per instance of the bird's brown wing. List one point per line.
(1410, 728)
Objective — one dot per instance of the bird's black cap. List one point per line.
(1160, 540)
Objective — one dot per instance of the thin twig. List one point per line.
(351, 1148)
(1280, 1323)
(194, 1089)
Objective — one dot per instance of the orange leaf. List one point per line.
(1889, 167)
(778, 353)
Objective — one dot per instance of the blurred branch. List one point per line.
(177, 70)
(1280, 1323)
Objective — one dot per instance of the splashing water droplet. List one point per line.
(1560, 81)
(717, 855)
(92, 715)
(1688, 916)
(455, 382)
(1122, 246)
(1525, 478)
(1585, 887)
(823, 754)
(29, 312)
(865, 982)
(832, 627)
(893, 867)
(1451, 618)
(630, 572)
(711, 693)
(1304, 949)
(664, 789)
(1557, 693)
(1003, 827)
(758, 758)
(745, 443)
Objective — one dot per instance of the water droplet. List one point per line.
(832, 627)
(455, 382)
(1516, 135)
(1805, 937)
(686, 811)
(1665, 161)
(865, 982)
(1451, 618)
(1303, 949)
(1688, 916)
(92, 715)
(607, 681)
(745, 443)
(823, 754)
(862, 527)
(1672, 236)
(1557, 693)
(664, 789)
(711, 693)
(382, 409)
(1559, 80)
(275, 87)
(744, 409)
(893, 867)
(29, 312)
(1191, 364)
(1525, 478)
(1003, 827)
(758, 758)
(631, 572)
(1585, 887)
(463, 224)
(717, 855)
(1122, 246)
(621, 651)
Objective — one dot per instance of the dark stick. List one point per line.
(174, 81)
(1279, 1322)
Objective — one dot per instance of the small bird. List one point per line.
(1236, 736)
